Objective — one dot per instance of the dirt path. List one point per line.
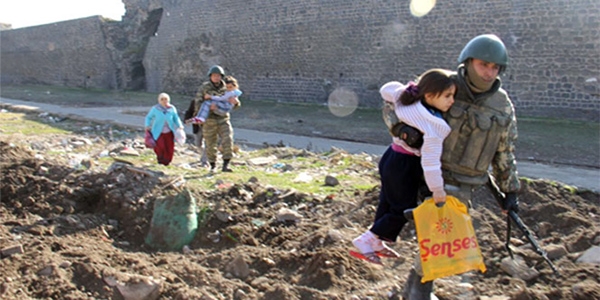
(575, 175)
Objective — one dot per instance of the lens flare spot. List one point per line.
(342, 102)
(420, 8)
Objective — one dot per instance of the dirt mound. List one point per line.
(82, 233)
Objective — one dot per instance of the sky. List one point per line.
(25, 13)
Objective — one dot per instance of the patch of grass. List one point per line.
(204, 213)
(18, 123)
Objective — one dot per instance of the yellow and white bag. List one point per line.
(447, 241)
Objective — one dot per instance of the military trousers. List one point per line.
(213, 130)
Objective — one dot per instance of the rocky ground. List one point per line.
(71, 229)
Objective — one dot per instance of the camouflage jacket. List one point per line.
(208, 88)
(484, 131)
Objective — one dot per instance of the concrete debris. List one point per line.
(286, 214)
(238, 267)
(518, 268)
(590, 256)
(11, 250)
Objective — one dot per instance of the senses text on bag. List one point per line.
(447, 248)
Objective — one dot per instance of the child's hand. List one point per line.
(439, 198)
(234, 101)
(207, 97)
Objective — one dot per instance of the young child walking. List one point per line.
(162, 120)
(405, 162)
(220, 105)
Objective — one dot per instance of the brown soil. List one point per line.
(83, 233)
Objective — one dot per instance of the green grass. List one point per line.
(18, 123)
(318, 166)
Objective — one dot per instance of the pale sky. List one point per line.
(25, 13)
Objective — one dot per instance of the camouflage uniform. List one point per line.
(215, 126)
(484, 131)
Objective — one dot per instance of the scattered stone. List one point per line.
(238, 267)
(261, 161)
(47, 270)
(286, 214)
(261, 283)
(223, 216)
(518, 268)
(268, 261)
(544, 228)
(240, 294)
(11, 250)
(556, 251)
(591, 256)
(465, 290)
(110, 281)
(331, 181)
(148, 289)
(335, 235)
(129, 151)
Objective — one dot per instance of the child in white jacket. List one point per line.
(403, 165)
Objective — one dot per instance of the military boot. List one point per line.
(415, 290)
(226, 166)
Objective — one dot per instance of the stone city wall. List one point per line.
(301, 51)
(69, 53)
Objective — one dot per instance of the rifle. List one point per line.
(517, 220)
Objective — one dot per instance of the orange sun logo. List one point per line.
(444, 225)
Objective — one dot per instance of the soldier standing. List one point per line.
(216, 126)
(483, 133)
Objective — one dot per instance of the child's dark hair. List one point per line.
(230, 79)
(434, 81)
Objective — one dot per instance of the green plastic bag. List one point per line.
(174, 222)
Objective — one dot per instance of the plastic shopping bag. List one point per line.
(180, 136)
(447, 241)
(149, 140)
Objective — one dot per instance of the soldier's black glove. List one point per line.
(412, 136)
(511, 202)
